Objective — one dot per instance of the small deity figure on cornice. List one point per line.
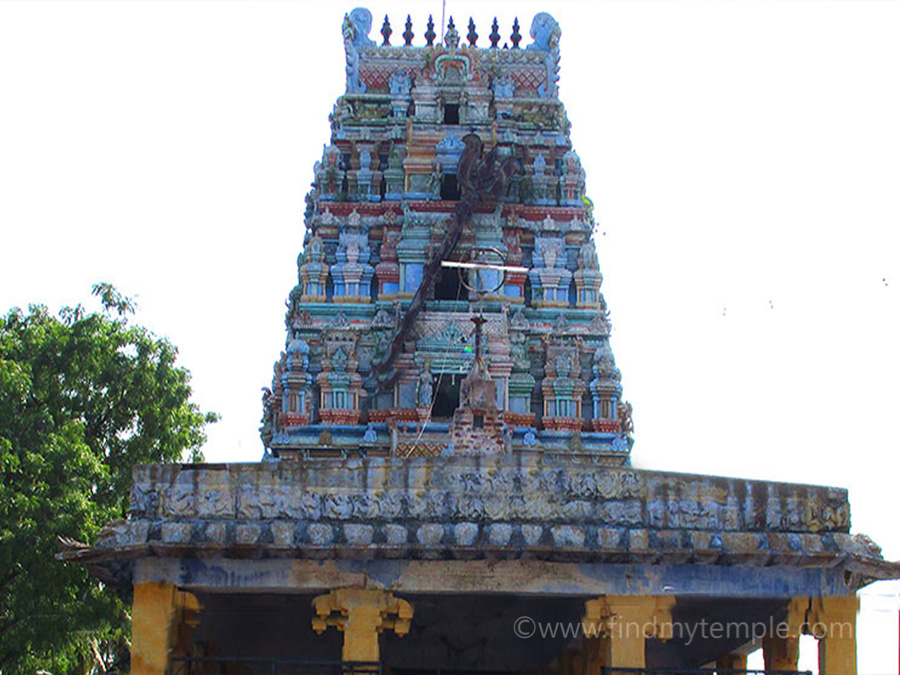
(587, 256)
(339, 360)
(546, 33)
(605, 363)
(359, 24)
(562, 366)
(315, 252)
(356, 29)
(297, 354)
(365, 159)
(267, 428)
(400, 83)
(550, 249)
(503, 87)
(437, 177)
(451, 36)
(513, 248)
(425, 389)
(389, 240)
(626, 424)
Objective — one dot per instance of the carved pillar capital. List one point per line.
(361, 614)
(829, 617)
(648, 615)
(624, 623)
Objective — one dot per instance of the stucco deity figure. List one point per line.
(267, 430)
(503, 87)
(316, 251)
(572, 165)
(571, 182)
(425, 392)
(464, 107)
(400, 83)
(297, 354)
(451, 36)
(563, 366)
(545, 32)
(361, 21)
(370, 436)
(513, 249)
(328, 171)
(626, 424)
(552, 249)
(587, 256)
(605, 363)
(356, 29)
(365, 159)
(437, 176)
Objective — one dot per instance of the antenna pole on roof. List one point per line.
(443, 19)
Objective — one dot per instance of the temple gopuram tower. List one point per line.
(448, 209)
(446, 484)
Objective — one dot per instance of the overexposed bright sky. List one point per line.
(744, 158)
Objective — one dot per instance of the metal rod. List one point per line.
(482, 266)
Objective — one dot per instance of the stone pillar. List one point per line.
(833, 622)
(162, 618)
(781, 652)
(625, 622)
(567, 662)
(594, 650)
(732, 662)
(361, 614)
(578, 663)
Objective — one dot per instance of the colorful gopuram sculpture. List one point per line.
(448, 153)
(446, 484)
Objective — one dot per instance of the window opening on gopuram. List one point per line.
(446, 398)
(451, 113)
(449, 286)
(449, 187)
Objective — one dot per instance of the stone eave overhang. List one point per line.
(115, 566)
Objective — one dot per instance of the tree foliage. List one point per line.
(84, 397)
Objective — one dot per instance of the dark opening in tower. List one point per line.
(446, 399)
(449, 286)
(451, 113)
(449, 187)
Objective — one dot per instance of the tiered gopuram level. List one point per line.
(453, 153)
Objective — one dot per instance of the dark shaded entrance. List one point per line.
(449, 286)
(446, 399)
(450, 188)
(451, 632)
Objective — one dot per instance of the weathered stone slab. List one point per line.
(501, 507)
(508, 488)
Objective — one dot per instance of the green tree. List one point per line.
(84, 397)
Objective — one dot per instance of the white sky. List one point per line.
(744, 158)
